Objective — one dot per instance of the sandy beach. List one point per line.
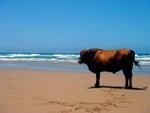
(26, 91)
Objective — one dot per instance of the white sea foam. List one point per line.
(144, 62)
(144, 59)
(18, 55)
(66, 56)
(39, 57)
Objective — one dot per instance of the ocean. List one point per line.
(59, 62)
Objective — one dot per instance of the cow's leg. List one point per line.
(126, 79)
(97, 79)
(130, 80)
(126, 82)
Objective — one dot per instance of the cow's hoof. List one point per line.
(94, 87)
(128, 87)
(97, 86)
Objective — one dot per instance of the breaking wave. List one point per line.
(144, 59)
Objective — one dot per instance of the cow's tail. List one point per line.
(135, 62)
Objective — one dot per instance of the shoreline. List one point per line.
(63, 66)
(28, 91)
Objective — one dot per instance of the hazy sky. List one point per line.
(71, 25)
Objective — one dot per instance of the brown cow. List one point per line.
(99, 60)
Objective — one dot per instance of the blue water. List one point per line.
(58, 62)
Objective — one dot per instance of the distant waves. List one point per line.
(58, 62)
(144, 59)
(53, 57)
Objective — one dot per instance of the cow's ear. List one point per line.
(83, 52)
(92, 53)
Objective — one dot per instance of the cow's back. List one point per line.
(112, 60)
(105, 56)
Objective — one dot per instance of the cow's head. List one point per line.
(83, 56)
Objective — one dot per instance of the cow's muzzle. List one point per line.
(79, 61)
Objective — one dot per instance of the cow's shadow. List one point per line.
(117, 87)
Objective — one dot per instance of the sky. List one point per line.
(72, 25)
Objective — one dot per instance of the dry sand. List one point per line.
(26, 91)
